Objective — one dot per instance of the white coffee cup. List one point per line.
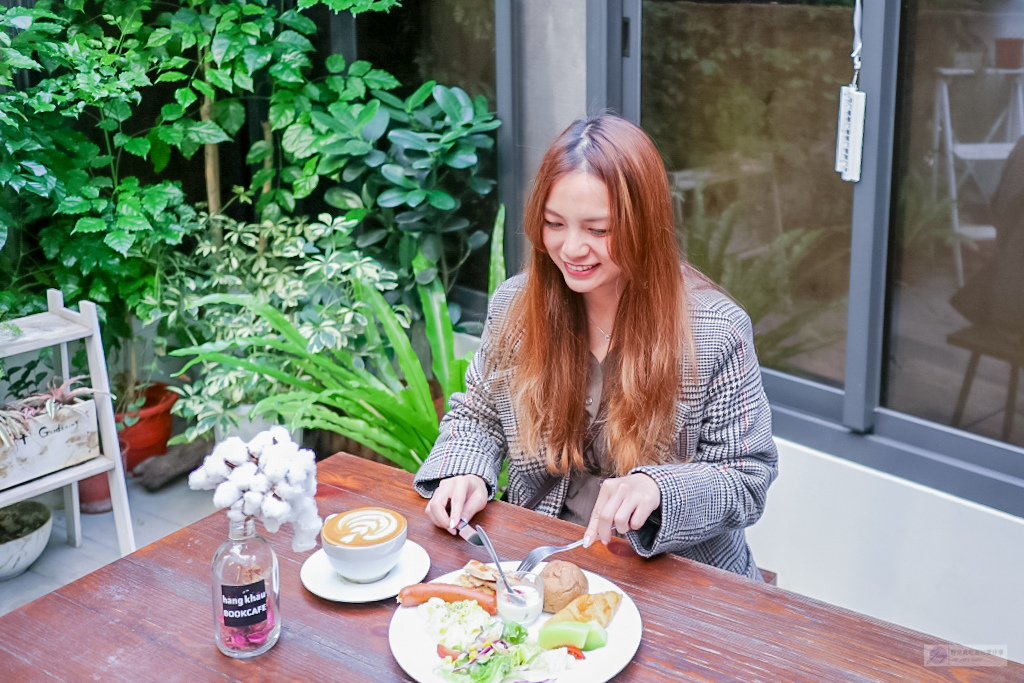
(364, 544)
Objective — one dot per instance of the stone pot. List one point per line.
(18, 554)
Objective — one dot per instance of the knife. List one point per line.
(469, 533)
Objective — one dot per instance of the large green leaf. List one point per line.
(294, 41)
(438, 327)
(229, 115)
(417, 99)
(299, 140)
(411, 140)
(407, 360)
(89, 224)
(207, 133)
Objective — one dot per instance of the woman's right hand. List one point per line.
(455, 498)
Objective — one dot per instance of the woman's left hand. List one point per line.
(624, 503)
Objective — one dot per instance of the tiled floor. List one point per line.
(154, 515)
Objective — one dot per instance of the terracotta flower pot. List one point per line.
(94, 492)
(148, 436)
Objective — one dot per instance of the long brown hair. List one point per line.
(545, 336)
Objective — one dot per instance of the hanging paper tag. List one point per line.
(850, 140)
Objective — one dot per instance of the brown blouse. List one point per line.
(584, 485)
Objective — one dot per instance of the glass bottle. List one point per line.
(246, 590)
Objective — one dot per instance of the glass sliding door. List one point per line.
(956, 276)
(742, 99)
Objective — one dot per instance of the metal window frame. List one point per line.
(510, 189)
(613, 57)
(849, 422)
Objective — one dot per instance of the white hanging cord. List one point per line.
(857, 43)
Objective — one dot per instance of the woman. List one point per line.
(622, 387)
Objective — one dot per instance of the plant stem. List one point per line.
(212, 153)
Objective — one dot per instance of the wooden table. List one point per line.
(148, 616)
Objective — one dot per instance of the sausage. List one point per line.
(421, 592)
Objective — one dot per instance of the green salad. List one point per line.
(475, 647)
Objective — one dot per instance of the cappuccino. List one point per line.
(363, 527)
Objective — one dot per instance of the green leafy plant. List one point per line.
(302, 269)
(361, 397)
(357, 393)
(403, 169)
(75, 213)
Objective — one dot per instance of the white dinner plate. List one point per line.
(416, 652)
(319, 577)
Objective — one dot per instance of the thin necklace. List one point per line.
(607, 337)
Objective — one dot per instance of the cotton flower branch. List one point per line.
(270, 478)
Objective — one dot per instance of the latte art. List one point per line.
(363, 526)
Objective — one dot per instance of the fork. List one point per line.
(535, 556)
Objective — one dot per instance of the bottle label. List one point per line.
(244, 605)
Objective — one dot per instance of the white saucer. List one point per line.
(320, 579)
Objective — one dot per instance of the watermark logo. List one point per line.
(943, 654)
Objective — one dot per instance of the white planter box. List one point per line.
(51, 445)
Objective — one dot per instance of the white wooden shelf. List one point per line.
(55, 328)
(42, 330)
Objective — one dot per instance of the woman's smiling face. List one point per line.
(576, 234)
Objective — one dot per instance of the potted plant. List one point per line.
(144, 423)
(46, 432)
(303, 269)
(24, 532)
(350, 391)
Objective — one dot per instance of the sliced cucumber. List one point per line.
(562, 633)
(597, 636)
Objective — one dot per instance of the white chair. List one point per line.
(965, 161)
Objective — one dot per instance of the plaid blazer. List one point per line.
(726, 457)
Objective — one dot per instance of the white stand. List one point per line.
(57, 327)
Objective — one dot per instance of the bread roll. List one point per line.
(563, 583)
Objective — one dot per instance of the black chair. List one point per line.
(987, 341)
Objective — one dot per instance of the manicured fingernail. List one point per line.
(587, 541)
(452, 522)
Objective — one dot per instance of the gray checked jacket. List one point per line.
(725, 457)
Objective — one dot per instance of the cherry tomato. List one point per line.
(443, 651)
(574, 651)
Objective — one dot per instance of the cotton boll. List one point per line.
(216, 468)
(243, 475)
(280, 434)
(236, 512)
(272, 525)
(259, 443)
(288, 492)
(252, 502)
(297, 474)
(200, 479)
(275, 467)
(303, 540)
(233, 450)
(309, 487)
(306, 457)
(259, 483)
(286, 449)
(227, 494)
(274, 508)
(309, 521)
(301, 507)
